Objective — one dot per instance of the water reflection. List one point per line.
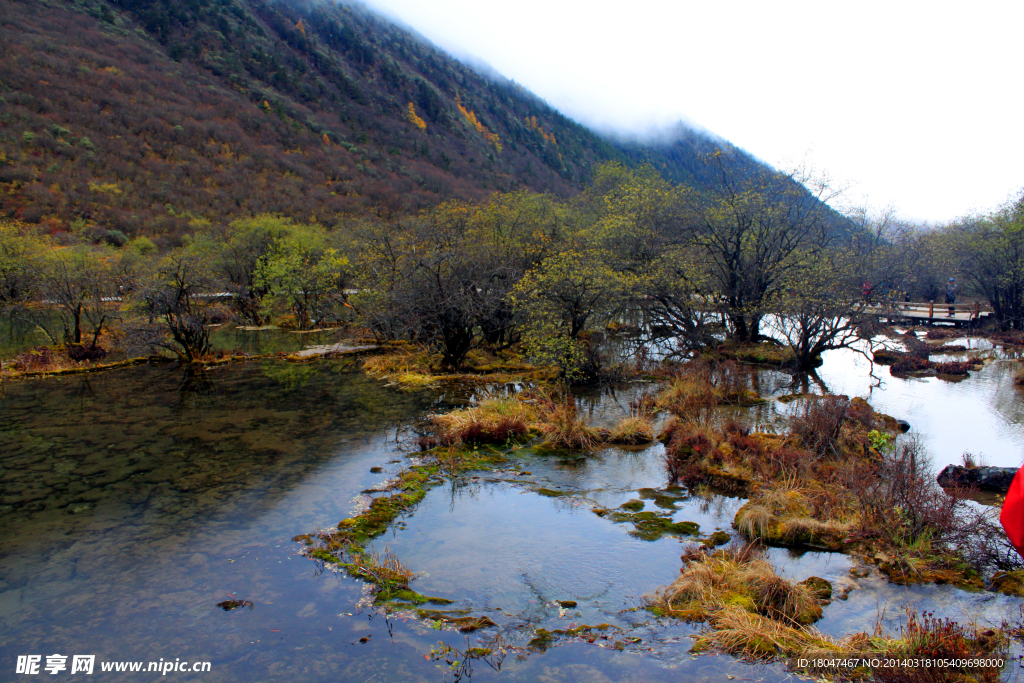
(134, 502)
(983, 414)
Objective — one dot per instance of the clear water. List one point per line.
(132, 502)
(17, 336)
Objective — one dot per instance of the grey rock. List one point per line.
(984, 478)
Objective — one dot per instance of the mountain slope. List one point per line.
(150, 116)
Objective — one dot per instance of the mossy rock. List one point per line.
(554, 493)
(666, 502)
(1008, 583)
(633, 505)
(411, 597)
(457, 618)
(963, 578)
(818, 587)
(789, 398)
(541, 640)
(325, 556)
(580, 630)
(651, 529)
(716, 539)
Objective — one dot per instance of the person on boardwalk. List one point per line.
(951, 295)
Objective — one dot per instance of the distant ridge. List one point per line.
(155, 116)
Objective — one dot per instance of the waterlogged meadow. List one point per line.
(229, 515)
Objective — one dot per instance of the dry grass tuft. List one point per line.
(632, 431)
(413, 379)
(735, 577)
(754, 636)
(564, 428)
(755, 521)
(690, 394)
(386, 571)
(406, 363)
(497, 419)
(784, 513)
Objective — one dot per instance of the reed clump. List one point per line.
(496, 419)
(787, 514)
(633, 430)
(406, 367)
(738, 576)
(638, 427)
(386, 571)
(563, 427)
(959, 368)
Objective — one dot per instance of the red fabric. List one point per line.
(1012, 516)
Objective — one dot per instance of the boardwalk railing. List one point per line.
(932, 311)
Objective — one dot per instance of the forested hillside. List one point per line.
(156, 117)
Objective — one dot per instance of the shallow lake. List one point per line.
(134, 501)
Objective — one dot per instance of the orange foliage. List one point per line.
(531, 123)
(414, 119)
(470, 116)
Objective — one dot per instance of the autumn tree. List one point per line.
(818, 306)
(77, 282)
(752, 229)
(174, 293)
(21, 256)
(237, 253)
(640, 222)
(569, 293)
(305, 274)
(990, 254)
(443, 277)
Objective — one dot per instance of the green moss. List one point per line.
(325, 556)
(541, 640)
(716, 539)
(820, 588)
(554, 493)
(411, 597)
(1009, 583)
(633, 505)
(478, 651)
(740, 600)
(666, 502)
(653, 529)
(460, 619)
(789, 398)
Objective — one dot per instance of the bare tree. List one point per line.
(172, 294)
(753, 229)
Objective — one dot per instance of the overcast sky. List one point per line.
(912, 104)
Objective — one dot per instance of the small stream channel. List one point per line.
(133, 501)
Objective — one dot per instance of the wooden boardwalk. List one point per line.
(964, 315)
